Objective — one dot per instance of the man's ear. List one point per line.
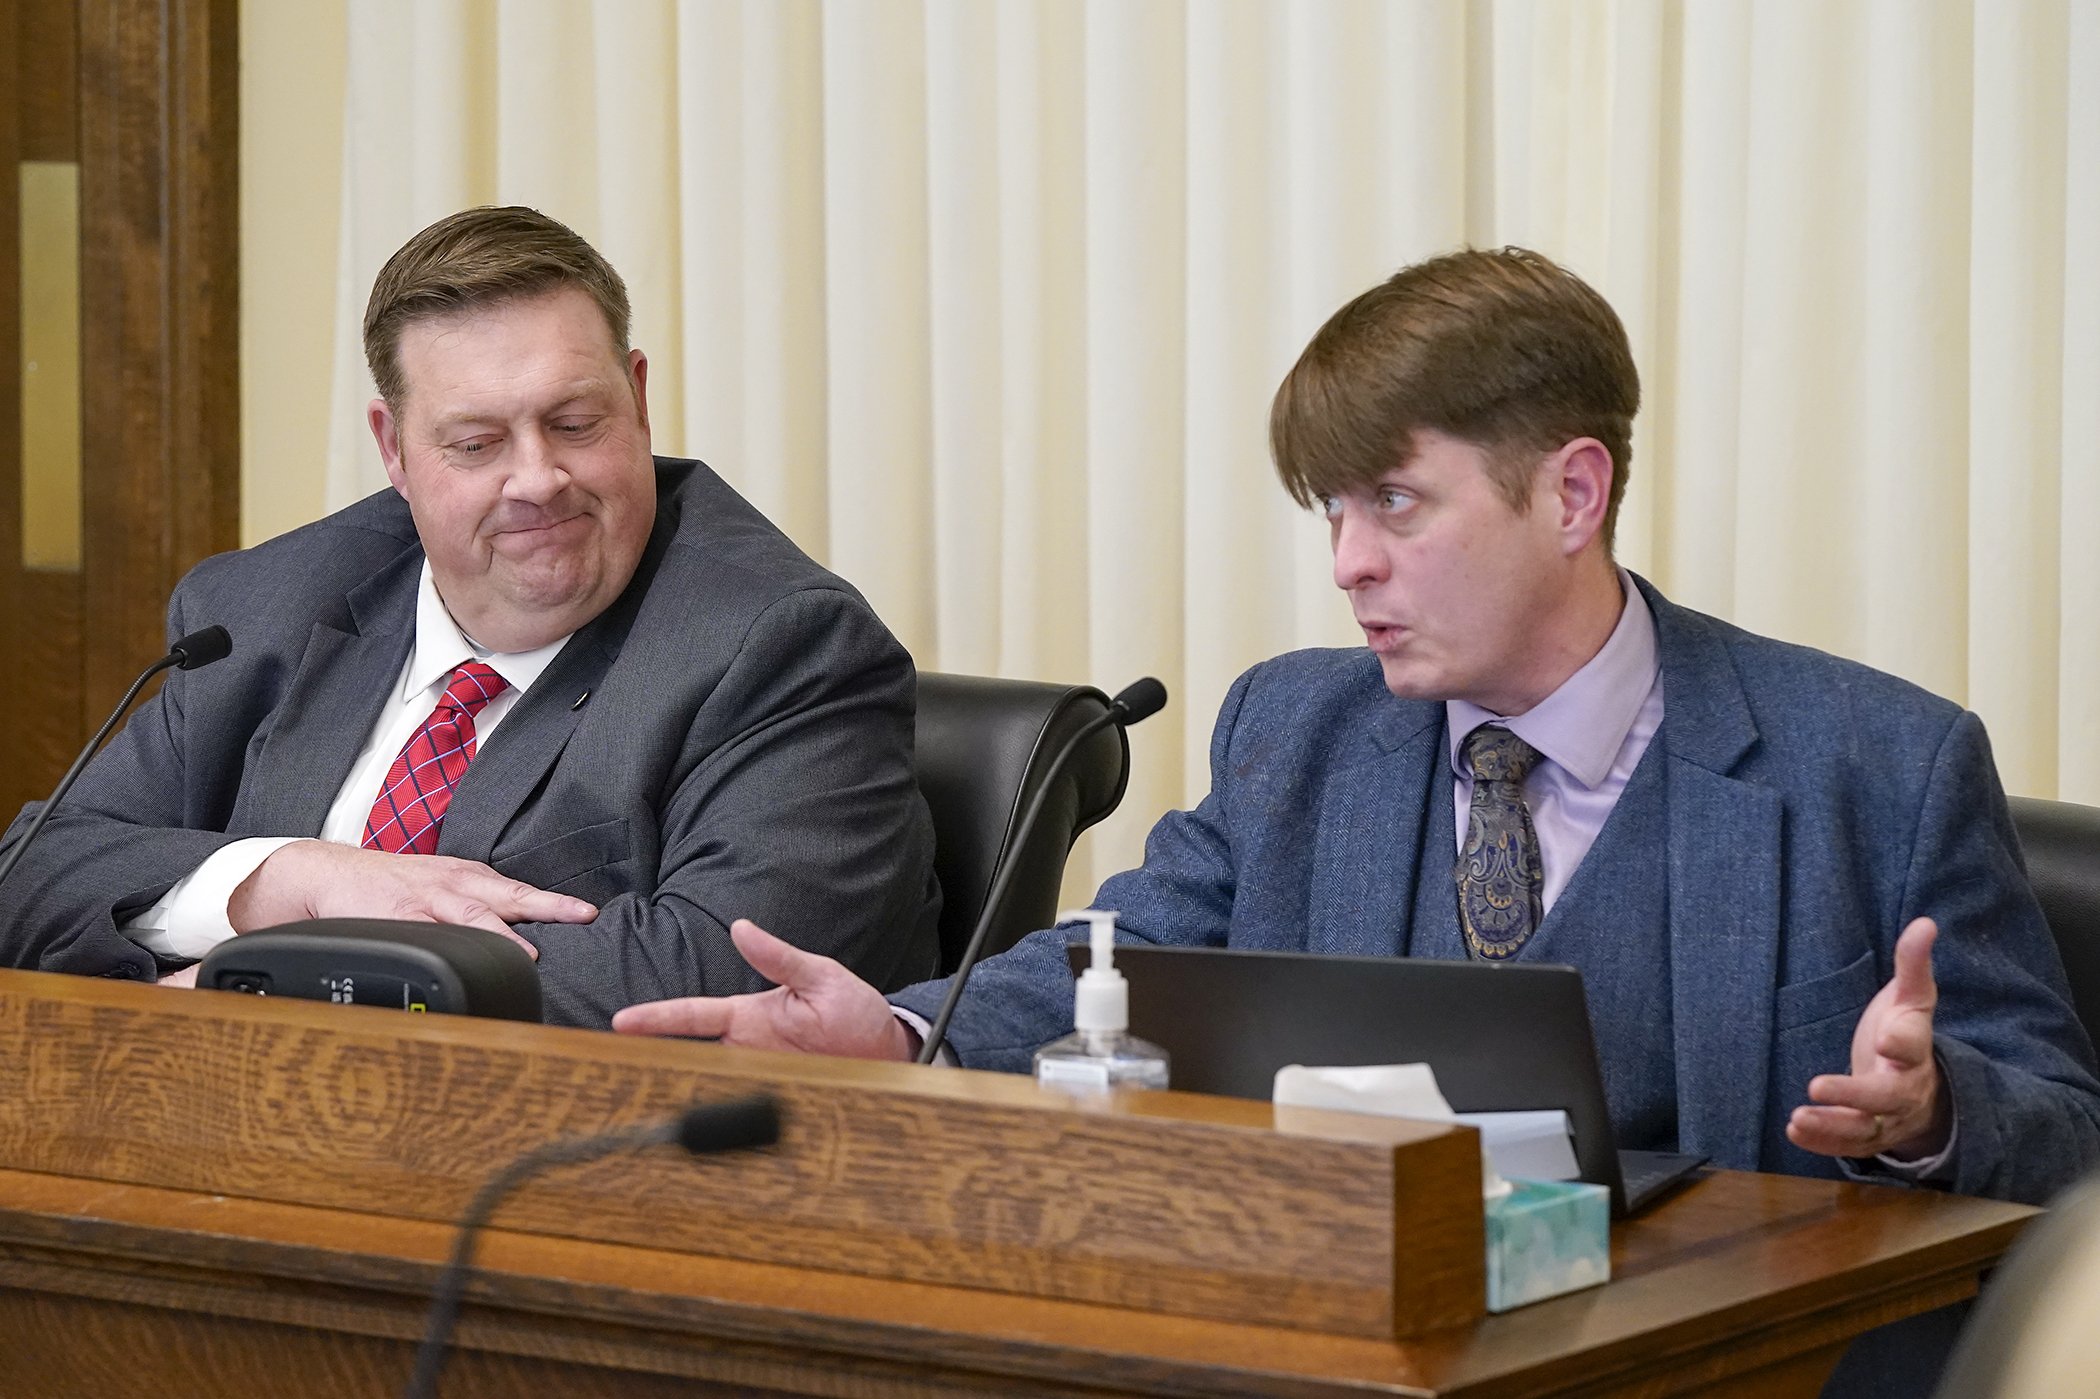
(1581, 473)
(387, 433)
(638, 375)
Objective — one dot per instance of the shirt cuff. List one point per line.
(190, 919)
(1937, 1169)
(1930, 1168)
(946, 1058)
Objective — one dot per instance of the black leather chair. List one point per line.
(982, 748)
(2062, 843)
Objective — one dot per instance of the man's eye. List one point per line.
(1330, 506)
(1394, 500)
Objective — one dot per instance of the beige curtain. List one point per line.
(983, 300)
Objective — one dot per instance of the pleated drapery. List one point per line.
(983, 300)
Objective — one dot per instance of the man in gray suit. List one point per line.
(1790, 882)
(547, 685)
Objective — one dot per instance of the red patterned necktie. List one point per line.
(418, 787)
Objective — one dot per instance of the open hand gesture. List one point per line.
(1893, 1101)
(818, 1007)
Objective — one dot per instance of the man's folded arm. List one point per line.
(190, 919)
(794, 805)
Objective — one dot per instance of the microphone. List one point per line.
(199, 648)
(1139, 701)
(737, 1125)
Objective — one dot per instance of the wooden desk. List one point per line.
(1741, 1285)
(205, 1195)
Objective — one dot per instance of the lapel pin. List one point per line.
(579, 701)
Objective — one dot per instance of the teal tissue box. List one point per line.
(1545, 1238)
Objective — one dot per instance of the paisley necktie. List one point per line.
(1500, 877)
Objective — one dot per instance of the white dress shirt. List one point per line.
(190, 918)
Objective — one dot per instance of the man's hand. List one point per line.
(817, 1007)
(1893, 1101)
(320, 879)
(186, 977)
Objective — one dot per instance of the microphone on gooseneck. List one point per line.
(199, 648)
(1139, 701)
(737, 1125)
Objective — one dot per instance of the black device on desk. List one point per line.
(1499, 1038)
(436, 968)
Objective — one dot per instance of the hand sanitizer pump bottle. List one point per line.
(1101, 1053)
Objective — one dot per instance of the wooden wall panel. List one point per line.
(42, 707)
(142, 94)
(50, 87)
(160, 270)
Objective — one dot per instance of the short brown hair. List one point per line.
(476, 258)
(1502, 348)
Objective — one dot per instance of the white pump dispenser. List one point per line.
(1100, 1053)
(1101, 1001)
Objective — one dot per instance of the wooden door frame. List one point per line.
(155, 128)
(160, 303)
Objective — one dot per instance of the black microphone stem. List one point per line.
(939, 1031)
(65, 784)
(747, 1122)
(452, 1285)
(198, 649)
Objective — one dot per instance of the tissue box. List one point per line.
(1545, 1238)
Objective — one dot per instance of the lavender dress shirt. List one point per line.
(1591, 732)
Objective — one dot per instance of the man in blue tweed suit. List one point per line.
(1790, 882)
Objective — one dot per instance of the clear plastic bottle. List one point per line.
(1101, 1053)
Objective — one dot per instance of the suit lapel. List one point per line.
(1725, 849)
(508, 768)
(1367, 852)
(329, 709)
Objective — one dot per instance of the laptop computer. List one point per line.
(1500, 1038)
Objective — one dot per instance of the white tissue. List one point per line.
(1380, 1090)
(1383, 1090)
(1528, 1145)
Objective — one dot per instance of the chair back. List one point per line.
(982, 747)
(2062, 843)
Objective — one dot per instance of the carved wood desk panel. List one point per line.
(1741, 1285)
(330, 1146)
(1160, 1201)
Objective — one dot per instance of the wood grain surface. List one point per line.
(160, 317)
(144, 95)
(43, 718)
(1741, 1285)
(1162, 1202)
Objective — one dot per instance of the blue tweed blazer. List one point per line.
(1812, 808)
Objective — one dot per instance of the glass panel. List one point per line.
(51, 365)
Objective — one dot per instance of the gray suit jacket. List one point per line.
(1808, 808)
(744, 750)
